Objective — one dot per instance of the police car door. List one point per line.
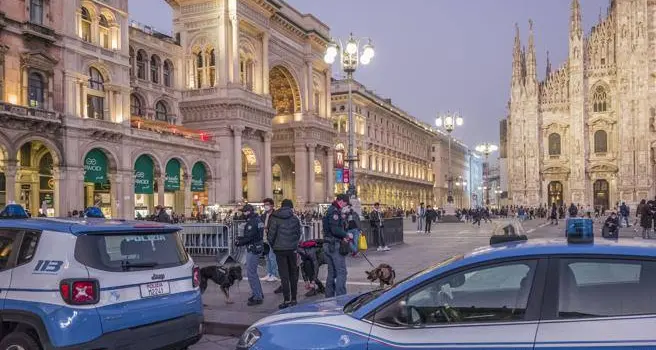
(484, 306)
(8, 252)
(599, 303)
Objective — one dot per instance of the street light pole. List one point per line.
(486, 149)
(449, 122)
(349, 59)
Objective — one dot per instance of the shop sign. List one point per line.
(95, 167)
(198, 178)
(172, 178)
(347, 175)
(143, 175)
(339, 178)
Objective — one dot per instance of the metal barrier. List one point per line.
(206, 239)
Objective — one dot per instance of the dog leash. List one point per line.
(365, 258)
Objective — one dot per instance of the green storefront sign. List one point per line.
(95, 167)
(172, 180)
(143, 175)
(198, 178)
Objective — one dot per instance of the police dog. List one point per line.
(224, 276)
(384, 274)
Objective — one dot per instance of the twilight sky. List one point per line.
(437, 55)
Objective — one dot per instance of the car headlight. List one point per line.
(249, 338)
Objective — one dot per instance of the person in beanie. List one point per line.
(334, 234)
(253, 240)
(284, 235)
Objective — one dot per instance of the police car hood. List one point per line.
(321, 308)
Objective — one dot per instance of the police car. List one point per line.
(93, 283)
(565, 293)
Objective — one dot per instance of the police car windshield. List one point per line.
(365, 298)
(130, 252)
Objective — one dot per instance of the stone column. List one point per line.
(265, 63)
(83, 101)
(268, 192)
(309, 87)
(160, 190)
(188, 198)
(236, 149)
(57, 200)
(235, 47)
(115, 194)
(300, 168)
(329, 174)
(50, 101)
(223, 49)
(10, 170)
(127, 201)
(311, 174)
(205, 79)
(110, 106)
(326, 95)
(24, 98)
(69, 94)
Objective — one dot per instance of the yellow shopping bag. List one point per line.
(362, 242)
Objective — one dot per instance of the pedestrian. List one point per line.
(253, 240)
(352, 226)
(334, 235)
(270, 257)
(376, 220)
(284, 236)
(161, 215)
(421, 213)
(554, 214)
(431, 216)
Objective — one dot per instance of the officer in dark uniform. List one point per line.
(334, 233)
(253, 240)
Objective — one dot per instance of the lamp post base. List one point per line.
(450, 214)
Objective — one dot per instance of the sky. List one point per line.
(436, 56)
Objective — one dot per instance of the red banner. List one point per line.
(347, 175)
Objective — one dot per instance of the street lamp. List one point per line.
(449, 122)
(486, 149)
(351, 56)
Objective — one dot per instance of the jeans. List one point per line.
(271, 264)
(288, 273)
(428, 225)
(356, 237)
(336, 280)
(420, 223)
(378, 233)
(253, 278)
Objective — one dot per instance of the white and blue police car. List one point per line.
(566, 293)
(93, 283)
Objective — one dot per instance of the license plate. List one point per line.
(154, 289)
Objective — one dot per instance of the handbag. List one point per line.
(344, 248)
(362, 242)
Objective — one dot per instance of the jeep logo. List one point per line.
(157, 277)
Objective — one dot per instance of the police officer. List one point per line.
(334, 234)
(253, 240)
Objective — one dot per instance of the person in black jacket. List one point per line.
(334, 234)
(253, 240)
(431, 216)
(284, 235)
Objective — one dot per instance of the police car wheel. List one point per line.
(19, 341)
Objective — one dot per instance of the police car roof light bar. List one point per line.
(579, 230)
(94, 212)
(13, 211)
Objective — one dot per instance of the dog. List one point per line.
(384, 274)
(224, 276)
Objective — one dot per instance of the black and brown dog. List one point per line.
(224, 276)
(384, 274)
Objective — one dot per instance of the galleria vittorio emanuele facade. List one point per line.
(586, 134)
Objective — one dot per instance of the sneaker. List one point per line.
(293, 303)
(284, 305)
(386, 249)
(254, 302)
(265, 278)
(272, 279)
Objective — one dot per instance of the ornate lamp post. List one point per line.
(351, 56)
(449, 122)
(486, 149)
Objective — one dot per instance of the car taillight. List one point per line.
(80, 291)
(195, 276)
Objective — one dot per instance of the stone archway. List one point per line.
(601, 194)
(251, 191)
(285, 93)
(38, 187)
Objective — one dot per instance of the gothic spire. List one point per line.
(575, 28)
(548, 65)
(530, 59)
(517, 56)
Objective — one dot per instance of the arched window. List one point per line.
(168, 73)
(85, 25)
(212, 67)
(160, 111)
(600, 141)
(135, 106)
(200, 68)
(246, 72)
(96, 95)
(131, 62)
(141, 64)
(554, 144)
(600, 100)
(154, 69)
(36, 11)
(103, 28)
(35, 88)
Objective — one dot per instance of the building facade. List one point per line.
(586, 133)
(97, 111)
(466, 170)
(393, 149)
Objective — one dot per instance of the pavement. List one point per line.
(417, 252)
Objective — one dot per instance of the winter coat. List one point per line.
(284, 230)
